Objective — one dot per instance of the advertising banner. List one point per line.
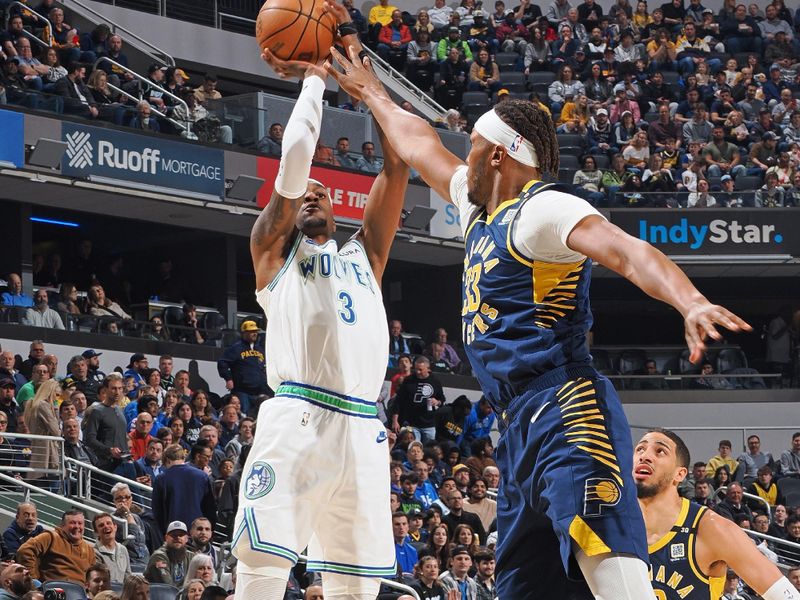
(348, 190)
(446, 223)
(144, 159)
(713, 231)
(12, 147)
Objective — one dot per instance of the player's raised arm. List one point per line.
(656, 275)
(274, 229)
(385, 200)
(724, 539)
(412, 137)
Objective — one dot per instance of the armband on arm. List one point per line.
(781, 590)
(300, 139)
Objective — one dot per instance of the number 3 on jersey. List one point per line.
(346, 313)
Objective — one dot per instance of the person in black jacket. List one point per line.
(243, 367)
(77, 97)
(417, 400)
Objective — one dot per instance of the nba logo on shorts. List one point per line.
(599, 493)
(516, 143)
(260, 481)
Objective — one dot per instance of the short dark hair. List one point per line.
(99, 516)
(410, 478)
(73, 512)
(98, 568)
(398, 514)
(681, 450)
(725, 442)
(765, 470)
(795, 435)
(750, 437)
(483, 555)
(209, 77)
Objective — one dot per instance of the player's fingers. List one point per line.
(333, 72)
(353, 54)
(733, 322)
(340, 59)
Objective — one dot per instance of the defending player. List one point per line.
(691, 547)
(567, 492)
(319, 469)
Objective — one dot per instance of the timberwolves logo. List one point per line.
(599, 493)
(260, 481)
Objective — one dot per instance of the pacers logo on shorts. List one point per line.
(260, 481)
(599, 493)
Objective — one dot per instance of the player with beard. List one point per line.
(691, 548)
(318, 470)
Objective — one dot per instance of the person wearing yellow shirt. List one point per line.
(381, 13)
(723, 458)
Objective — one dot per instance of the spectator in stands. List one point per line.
(92, 358)
(77, 98)
(405, 553)
(701, 198)
(733, 506)
(381, 14)
(484, 578)
(457, 577)
(623, 103)
(190, 332)
(8, 405)
(453, 40)
(698, 473)
(393, 40)
(243, 366)
(615, 178)
(355, 16)
(136, 543)
(440, 14)
(16, 582)
(100, 305)
(793, 575)
(484, 74)
(35, 355)
(30, 67)
(200, 541)
(770, 194)
(116, 75)
(64, 40)
(140, 436)
(763, 155)
(454, 500)
(182, 492)
(587, 181)
(741, 32)
(368, 162)
(479, 504)
(662, 52)
(7, 362)
(74, 447)
(723, 458)
(702, 493)
(427, 573)
(563, 87)
(512, 36)
(752, 460)
(790, 459)
(24, 527)
(15, 296)
(397, 343)
(78, 369)
(421, 66)
(342, 156)
(722, 157)
(104, 427)
(114, 555)
(41, 420)
(209, 436)
(170, 563)
(13, 33)
(59, 554)
(143, 120)
(765, 488)
(243, 438)
(271, 143)
(67, 299)
(208, 91)
(417, 400)
(691, 50)
(637, 153)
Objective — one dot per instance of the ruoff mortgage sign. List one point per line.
(144, 159)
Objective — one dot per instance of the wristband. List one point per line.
(347, 29)
(781, 590)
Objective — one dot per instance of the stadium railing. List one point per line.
(788, 552)
(722, 490)
(28, 12)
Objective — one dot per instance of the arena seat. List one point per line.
(631, 362)
(568, 161)
(685, 366)
(747, 182)
(601, 360)
(172, 316)
(789, 487)
(470, 99)
(541, 77)
(602, 161)
(671, 77)
(162, 591)
(213, 323)
(729, 359)
(513, 81)
(506, 61)
(570, 139)
(72, 590)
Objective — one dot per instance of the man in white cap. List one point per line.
(170, 562)
(243, 366)
(568, 495)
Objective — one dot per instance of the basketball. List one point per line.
(296, 29)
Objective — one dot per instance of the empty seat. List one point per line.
(601, 360)
(730, 358)
(172, 317)
(747, 182)
(741, 59)
(545, 77)
(568, 161)
(566, 175)
(631, 362)
(789, 488)
(506, 61)
(475, 99)
(570, 150)
(73, 591)
(602, 161)
(513, 81)
(162, 591)
(685, 366)
(570, 139)
(671, 77)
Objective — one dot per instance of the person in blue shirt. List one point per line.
(478, 425)
(405, 553)
(136, 369)
(15, 296)
(426, 491)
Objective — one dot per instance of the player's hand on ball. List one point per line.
(292, 68)
(357, 78)
(700, 324)
(339, 12)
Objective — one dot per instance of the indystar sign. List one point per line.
(151, 160)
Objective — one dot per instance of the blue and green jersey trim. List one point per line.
(249, 525)
(355, 570)
(348, 405)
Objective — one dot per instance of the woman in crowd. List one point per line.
(562, 87)
(107, 100)
(157, 330)
(427, 574)
(537, 52)
(624, 130)
(641, 18)
(40, 418)
(423, 23)
(192, 589)
(722, 476)
(587, 181)
(202, 409)
(181, 416)
(135, 587)
(657, 178)
(464, 535)
(201, 567)
(598, 89)
(484, 74)
(438, 545)
(67, 299)
(55, 71)
(574, 115)
(102, 306)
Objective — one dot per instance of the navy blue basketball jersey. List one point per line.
(673, 565)
(520, 317)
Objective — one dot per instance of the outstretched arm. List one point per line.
(385, 200)
(414, 140)
(655, 274)
(274, 229)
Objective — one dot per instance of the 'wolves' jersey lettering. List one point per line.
(325, 320)
(674, 572)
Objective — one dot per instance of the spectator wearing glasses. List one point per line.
(137, 541)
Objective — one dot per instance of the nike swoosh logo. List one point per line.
(539, 412)
(381, 437)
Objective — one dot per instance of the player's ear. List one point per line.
(497, 156)
(681, 474)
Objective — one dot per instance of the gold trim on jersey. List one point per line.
(586, 538)
(584, 423)
(671, 533)
(554, 287)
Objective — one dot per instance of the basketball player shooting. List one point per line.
(318, 473)
(691, 547)
(567, 494)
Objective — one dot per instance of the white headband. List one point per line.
(494, 129)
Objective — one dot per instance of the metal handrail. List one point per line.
(221, 15)
(759, 499)
(28, 34)
(778, 544)
(401, 587)
(151, 84)
(167, 59)
(86, 508)
(72, 463)
(30, 436)
(155, 111)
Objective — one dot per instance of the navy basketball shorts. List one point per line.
(565, 454)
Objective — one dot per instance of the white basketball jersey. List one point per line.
(326, 321)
